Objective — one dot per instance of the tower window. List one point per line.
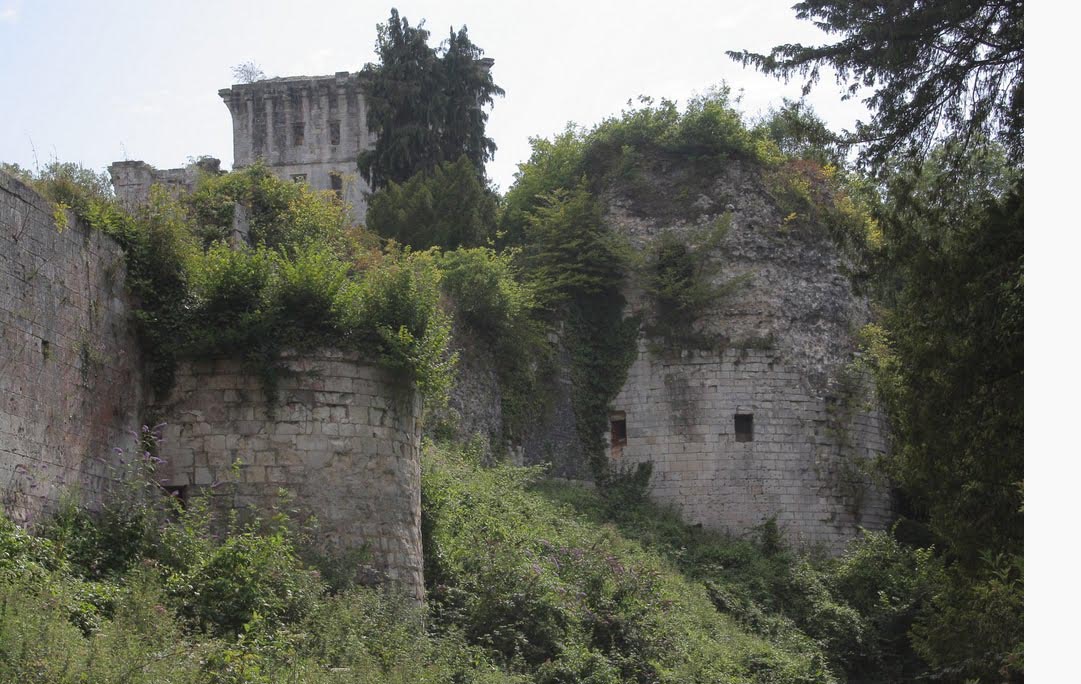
(744, 427)
(298, 134)
(299, 177)
(335, 132)
(336, 183)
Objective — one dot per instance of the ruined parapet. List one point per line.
(342, 440)
(132, 180)
(70, 373)
(308, 129)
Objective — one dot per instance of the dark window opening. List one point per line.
(336, 184)
(178, 492)
(332, 101)
(335, 132)
(744, 427)
(299, 177)
(618, 432)
(298, 134)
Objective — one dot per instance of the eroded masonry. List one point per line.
(773, 420)
(343, 442)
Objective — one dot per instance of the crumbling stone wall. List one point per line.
(132, 180)
(342, 439)
(69, 368)
(782, 351)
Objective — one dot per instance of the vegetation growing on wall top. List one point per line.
(304, 278)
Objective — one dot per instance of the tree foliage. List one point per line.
(953, 333)
(802, 134)
(447, 207)
(425, 105)
(934, 68)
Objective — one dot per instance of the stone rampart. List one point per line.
(765, 413)
(736, 438)
(69, 369)
(341, 438)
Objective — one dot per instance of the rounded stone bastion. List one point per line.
(340, 439)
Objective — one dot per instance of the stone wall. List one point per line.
(474, 407)
(69, 368)
(342, 438)
(779, 347)
(132, 180)
(801, 462)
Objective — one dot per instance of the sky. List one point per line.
(112, 80)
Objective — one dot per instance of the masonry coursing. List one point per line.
(783, 352)
(341, 438)
(70, 374)
(343, 442)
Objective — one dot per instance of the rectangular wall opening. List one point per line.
(744, 427)
(617, 431)
(179, 492)
(335, 132)
(336, 183)
(299, 177)
(298, 134)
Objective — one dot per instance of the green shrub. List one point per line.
(227, 311)
(248, 577)
(678, 275)
(393, 312)
(282, 215)
(304, 291)
(972, 627)
(486, 289)
(549, 593)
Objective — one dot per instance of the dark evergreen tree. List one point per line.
(946, 82)
(952, 286)
(935, 68)
(425, 105)
(448, 207)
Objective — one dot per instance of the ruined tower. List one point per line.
(308, 129)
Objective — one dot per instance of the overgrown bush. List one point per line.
(548, 592)
(282, 215)
(305, 280)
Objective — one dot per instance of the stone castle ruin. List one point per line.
(772, 423)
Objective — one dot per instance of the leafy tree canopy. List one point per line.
(425, 105)
(935, 68)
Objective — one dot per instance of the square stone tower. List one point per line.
(308, 129)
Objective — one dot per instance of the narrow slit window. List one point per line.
(618, 430)
(298, 134)
(744, 427)
(335, 132)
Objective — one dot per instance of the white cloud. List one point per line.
(10, 10)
